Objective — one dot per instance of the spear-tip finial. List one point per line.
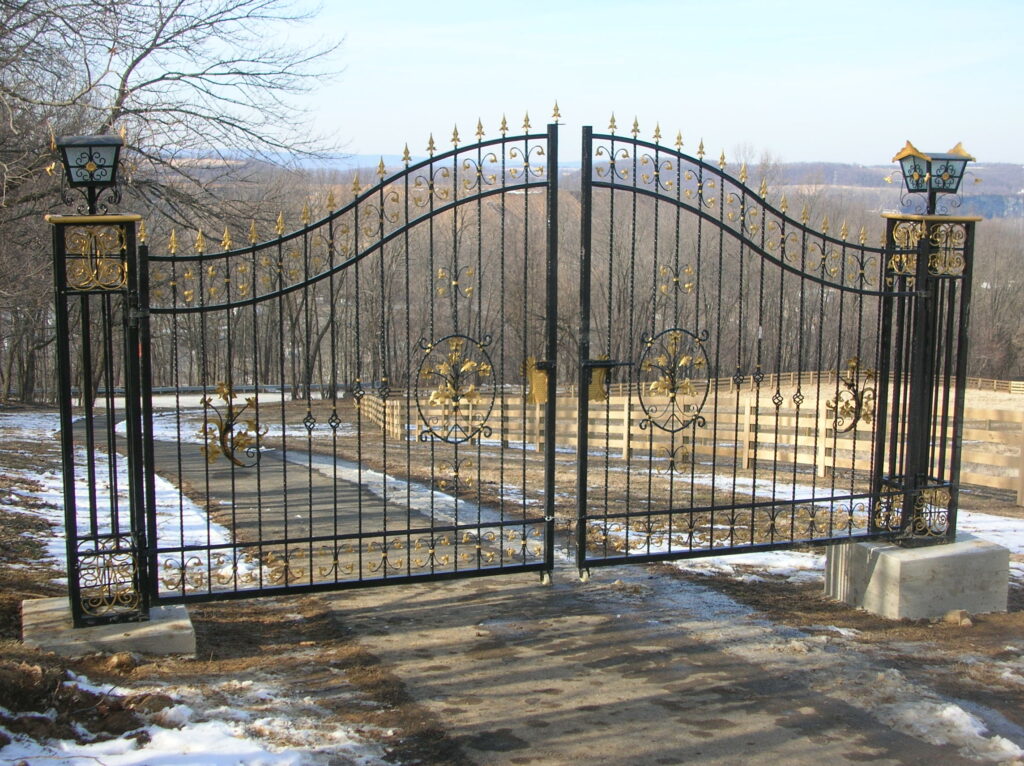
(381, 170)
(306, 216)
(254, 236)
(172, 243)
(479, 129)
(679, 140)
(636, 128)
(657, 133)
(611, 124)
(225, 241)
(143, 234)
(200, 242)
(526, 122)
(556, 115)
(743, 173)
(721, 160)
(279, 226)
(406, 157)
(431, 146)
(504, 125)
(455, 135)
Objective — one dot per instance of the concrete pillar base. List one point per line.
(915, 583)
(46, 624)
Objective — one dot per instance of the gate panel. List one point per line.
(728, 364)
(358, 402)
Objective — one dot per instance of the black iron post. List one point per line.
(97, 290)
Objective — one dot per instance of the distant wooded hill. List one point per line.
(991, 190)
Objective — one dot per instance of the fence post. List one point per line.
(627, 426)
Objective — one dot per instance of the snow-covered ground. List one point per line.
(240, 731)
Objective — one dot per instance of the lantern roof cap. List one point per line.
(957, 152)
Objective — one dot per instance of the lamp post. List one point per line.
(925, 312)
(933, 174)
(90, 164)
(102, 344)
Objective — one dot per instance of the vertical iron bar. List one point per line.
(583, 384)
(552, 347)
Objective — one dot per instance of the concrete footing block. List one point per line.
(969, 574)
(46, 624)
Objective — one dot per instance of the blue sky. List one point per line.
(802, 80)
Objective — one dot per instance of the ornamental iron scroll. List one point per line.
(107, 571)
(226, 433)
(931, 513)
(676, 360)
(96, 258)
(855, 401)
(455, 410)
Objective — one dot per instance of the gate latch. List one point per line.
(604, 364)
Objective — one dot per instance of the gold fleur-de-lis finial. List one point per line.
(254, 236)
(611, 124)
(172, 243)
(200, 242)
(279, 226)
(556, 115)
(142, 232)
(331, 202)
(636, 128)
(504, 125)
(784, 206)
(305, 216)
(824, 225)
(743, 173)
(479, 129)
(657, 133)
(679, 140)
(123, 133)
(381, 170)
(721, 160)
(700, 150)
(431, 147)
(455, 135)
(805, 215)
(225, 241)
(763, 191)
(406, 157)
(844, 231)
(526, 122)
(357, 186)
(863, 236)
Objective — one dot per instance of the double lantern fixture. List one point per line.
(932, 173)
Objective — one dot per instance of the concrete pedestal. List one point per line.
(46, 624)
(894, 582)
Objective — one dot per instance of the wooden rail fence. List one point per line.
(993, 439)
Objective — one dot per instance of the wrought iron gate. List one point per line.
(774, 383)
(373, 398)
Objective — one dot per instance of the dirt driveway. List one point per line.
(638, 667)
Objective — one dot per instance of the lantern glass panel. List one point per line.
(915, 173)
(90, 161)
(947, 173)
